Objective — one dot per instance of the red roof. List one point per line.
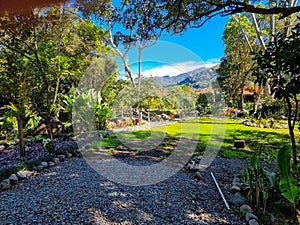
(248, 90)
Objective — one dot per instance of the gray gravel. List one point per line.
(73, 193)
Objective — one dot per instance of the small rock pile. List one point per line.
(14, 178)
(238, 199)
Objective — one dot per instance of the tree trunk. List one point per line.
(291, 132)
(49, 120)
(140, 48)
(272, 24)
(243, 32)
(21, 134)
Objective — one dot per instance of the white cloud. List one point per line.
(178, 68)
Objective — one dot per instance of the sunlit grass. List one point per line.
(212, 133)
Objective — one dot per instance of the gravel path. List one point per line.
(73, 193)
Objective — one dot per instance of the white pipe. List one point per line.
(219, 190)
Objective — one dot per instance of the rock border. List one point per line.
(237, 199)
(236, 189)
(250, 124)
(13, 175)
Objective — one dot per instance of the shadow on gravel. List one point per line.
(73, 193)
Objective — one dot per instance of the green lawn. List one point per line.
(263, 141)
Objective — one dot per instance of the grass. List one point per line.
(211, 133)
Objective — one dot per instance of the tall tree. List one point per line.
(235, 68)
(55, 46)
(280, 64)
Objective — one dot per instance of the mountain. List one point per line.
(167, 81)
(199, 78)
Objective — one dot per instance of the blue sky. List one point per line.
(205, 41)
(176, 54)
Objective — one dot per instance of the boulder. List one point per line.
(235, 189)
(13, 178)
(192, 167)
(50, 164)
(44, 164)
(165, 116)
(238, 199)
(21, 175)
(246, 209)
(28, 173)
(253, 222)
(250, 216)
(57, 127)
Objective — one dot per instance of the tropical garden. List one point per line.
(60, 78)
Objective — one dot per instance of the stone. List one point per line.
(197, 159)
(21, 175)
(253, 222)
(246, 209)
(69, 155)
(56, 160)
(192, 167)
(239, 143)
(235, 189)
(50, 164)
(28, 173)
(57, 127)
(5, 184)
(13, 178)
(236, 182)
(285, 126)
(40, 168)
(250, 216)
(44, 164)
(198, 176)
(237, 199)
(6, 146)
(61, 157)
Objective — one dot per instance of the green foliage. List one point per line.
(288, 185)
(279, 64)
(261, 182)
(234, 70)
(201, 103)
(48, 145)
(102, 113)
(43, 55)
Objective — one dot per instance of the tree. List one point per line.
(53, 46)
(178, 15)
(235, 68)
(280, 64)
(202, 103)
(128, 27)
(14, 83)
